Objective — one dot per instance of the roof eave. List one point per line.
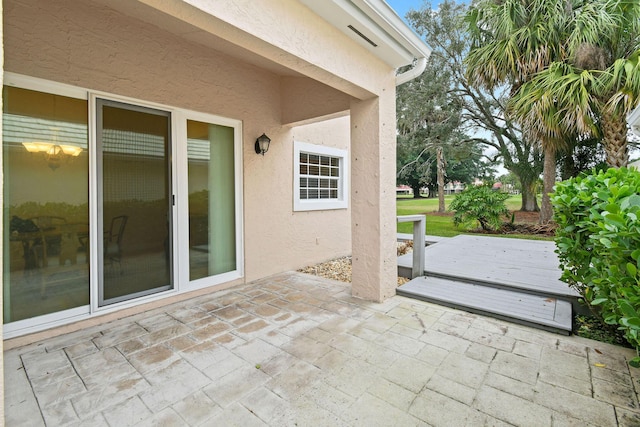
(374, 25)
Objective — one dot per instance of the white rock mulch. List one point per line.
(340, 268)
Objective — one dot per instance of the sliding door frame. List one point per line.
(100, 223)
(180, 225)
(180, 210)
(182, 202)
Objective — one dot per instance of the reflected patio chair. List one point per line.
(50, 231)
(113, 241)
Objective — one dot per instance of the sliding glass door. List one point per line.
(212, 199)
(134, 201)
(46, 203)
(106, 202)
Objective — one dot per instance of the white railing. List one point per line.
(419, 223)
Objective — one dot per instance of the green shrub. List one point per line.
(480, 204)
(598, 244)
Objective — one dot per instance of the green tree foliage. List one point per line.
(480, 205)
(598, 244)
(510, 180)
(462, 166)
(428, 120)
(513, 40)
(581, 156)
(483, 111)
(591, 87)
(573, 66)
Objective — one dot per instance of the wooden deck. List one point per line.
(512, 279)
(529, 265)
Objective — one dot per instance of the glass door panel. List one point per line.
(211, 177)
(46, 203)
(135, 202)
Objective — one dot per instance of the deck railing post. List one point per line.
(419, 227)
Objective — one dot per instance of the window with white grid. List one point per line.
(320, 177)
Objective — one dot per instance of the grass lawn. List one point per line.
(442, 225)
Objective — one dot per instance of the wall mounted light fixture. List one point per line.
(262, 144)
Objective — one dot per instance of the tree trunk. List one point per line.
(549, 180)
(440, 172)
(568, 166)
(416, 191)
(529, 199)
(614, 140)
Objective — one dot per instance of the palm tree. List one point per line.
(569, 99)
(572, 66)
(513, 40)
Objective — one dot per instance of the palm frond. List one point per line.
(557, 102)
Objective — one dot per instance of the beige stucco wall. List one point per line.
(373, 196)
(330, 234)
(87, 45)
(284, 31)
(270, 81)
(634, 121)
(269, 77)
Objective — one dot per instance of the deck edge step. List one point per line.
(433, 290)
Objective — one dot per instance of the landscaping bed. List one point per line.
(340, 268)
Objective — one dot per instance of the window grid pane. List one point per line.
(313, 166)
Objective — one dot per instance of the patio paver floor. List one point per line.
(295, 349)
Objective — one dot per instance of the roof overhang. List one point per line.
(634, 121)
(374, 25)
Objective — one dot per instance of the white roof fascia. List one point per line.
(634, 120)
(378, 28)
(388, 19)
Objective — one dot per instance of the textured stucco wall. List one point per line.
(138, 49)
(289, 33)
(145, 53)
(373, 196)
(93, 46)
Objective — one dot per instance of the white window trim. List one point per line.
(343, 182)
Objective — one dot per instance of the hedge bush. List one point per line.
(480, 204)
(598, 244)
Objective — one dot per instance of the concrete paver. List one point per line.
(295, 349)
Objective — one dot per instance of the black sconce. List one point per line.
(262, 144)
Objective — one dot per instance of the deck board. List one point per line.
(529, 265)
(538, 311)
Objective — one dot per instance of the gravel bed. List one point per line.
(340, 268)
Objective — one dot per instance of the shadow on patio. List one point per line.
(296, 349)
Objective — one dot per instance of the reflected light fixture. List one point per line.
(262, 144)
(53, 153)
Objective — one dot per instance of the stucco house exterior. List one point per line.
(634, 121)
(134, 174)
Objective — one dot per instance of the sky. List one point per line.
(402, 6)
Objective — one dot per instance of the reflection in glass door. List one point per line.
(211, 178)
(135, 202)
(46, 203)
